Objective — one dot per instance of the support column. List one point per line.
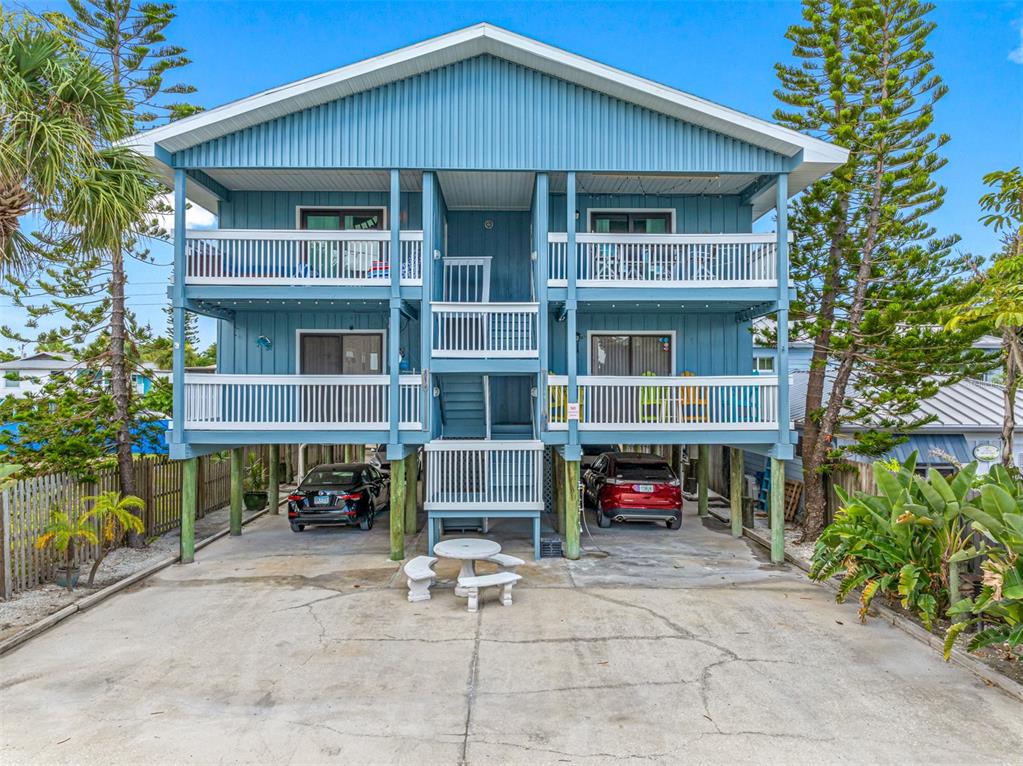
(572, 256)
(735, 488)
(394, 328)
(571, 500)
(189, 494)
(782, 337)
(777, 510)
(273, 484)
(236, 490)
(397, 512)
(703, 479)
(178, 311)
(411, 493)
(431, 231)
(541, 198)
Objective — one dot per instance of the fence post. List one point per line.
(5, 556)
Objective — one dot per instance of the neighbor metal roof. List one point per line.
(969, 405)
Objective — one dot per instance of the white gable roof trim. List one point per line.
(815, 157)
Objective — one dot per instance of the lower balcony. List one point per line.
(688, 403)
(299, 402)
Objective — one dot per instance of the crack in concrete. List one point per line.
(470, 690)
(585, 687)
(551, 751)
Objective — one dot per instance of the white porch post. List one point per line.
(178, 311)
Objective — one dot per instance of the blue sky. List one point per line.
(722, 51)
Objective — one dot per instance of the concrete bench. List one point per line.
(472, 586)
(420, 574)
(506, 562)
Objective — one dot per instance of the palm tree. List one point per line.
(114, 516)
(61, 533)
(59, 119)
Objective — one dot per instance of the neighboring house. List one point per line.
(484, 246)
(28, 375)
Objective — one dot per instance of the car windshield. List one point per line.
(330, 477)
(643, 472)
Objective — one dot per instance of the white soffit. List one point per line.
(467, 190)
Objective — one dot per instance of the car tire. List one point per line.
(675, 523)
(297, 527)
(604, 522)
(366, 522)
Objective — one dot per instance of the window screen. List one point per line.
(631, 355)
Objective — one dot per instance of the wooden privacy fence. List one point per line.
(26, 507)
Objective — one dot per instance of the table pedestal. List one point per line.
(468, 570)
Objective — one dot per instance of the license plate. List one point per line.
(643, 487)
(321, 500)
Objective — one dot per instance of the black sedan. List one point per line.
(339, 493)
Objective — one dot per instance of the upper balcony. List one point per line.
(300, 258)
(654, 265)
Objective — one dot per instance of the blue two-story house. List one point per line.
(483, 245)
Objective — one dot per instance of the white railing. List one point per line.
(498, 475)
(666, 260)
(485, 329)
(299, 257)
(688, 403)
(285, 402)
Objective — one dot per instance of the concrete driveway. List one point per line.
(679, 647)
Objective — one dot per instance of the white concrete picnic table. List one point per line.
(468, 550)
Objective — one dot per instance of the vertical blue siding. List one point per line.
(482, 113)
(717, 214)
(276, 209)
(237, 352)
(705, 344)
(507, 244)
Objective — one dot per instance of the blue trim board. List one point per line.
(666, 437)
(486, 366)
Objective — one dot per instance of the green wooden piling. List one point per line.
(237, 455)
(702, 479)
(735, 482)
(411, 493)
(777, 510)
(571, 495)
(273, 486)
(397, 513)
(189, 495)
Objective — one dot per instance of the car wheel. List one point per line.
(604, 522)
(366, 522)
(675, 523)
(297, 527)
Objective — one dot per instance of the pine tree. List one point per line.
(871, 274)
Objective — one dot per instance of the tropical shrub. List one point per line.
(997, 515)
(902, 543)
(114, 516)
(63, 533)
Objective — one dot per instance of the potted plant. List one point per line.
(255, 484)
(113, 516)
(62, 534)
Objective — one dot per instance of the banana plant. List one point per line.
(997, 514)
(902, 543)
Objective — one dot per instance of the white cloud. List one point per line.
(196, 217)
(1016, 56)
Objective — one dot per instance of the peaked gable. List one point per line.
(482, 113)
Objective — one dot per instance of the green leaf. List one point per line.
(996, 501)
(887, 483)
(937, 481)
(909, 576)
(951, 635)
(964, 555)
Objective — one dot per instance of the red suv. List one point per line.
(633, 486)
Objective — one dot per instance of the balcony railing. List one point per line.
(298, 257)
(284, 402)
(485, 330)
(666, 260)
(485, 475)
(727, 403)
